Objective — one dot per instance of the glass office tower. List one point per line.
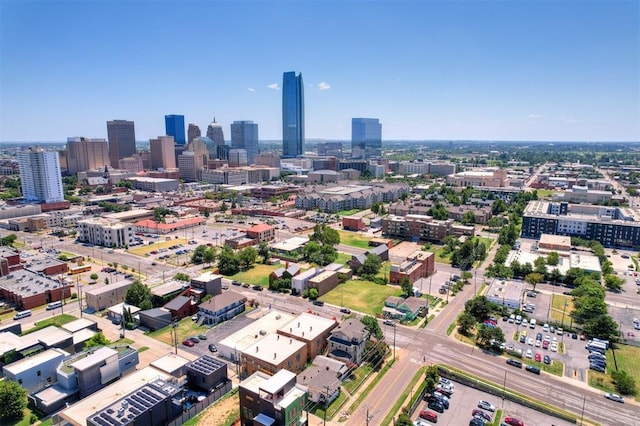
(174, 126)
(366, 138)
(292, 115)
(244, 135)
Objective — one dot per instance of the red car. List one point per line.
(429, 415)
(538, 357)
(188, 343)
(513, 421)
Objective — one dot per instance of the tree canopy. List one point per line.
(371, 323)
(139, 295)
(13, 399)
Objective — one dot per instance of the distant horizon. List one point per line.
(428, 70)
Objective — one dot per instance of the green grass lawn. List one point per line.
(57, 321)
(259, 274)
(358, 375)
(545, 192)
(348, 212)
(363, 296)
(488, 242)
(353, 239)
(557, 306)
(186, 328)
(555, 368)
(343, 258)
(628, 359)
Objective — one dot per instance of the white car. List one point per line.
(529, 354)
(614, 397)
(486, 405)
(538, 343)
(554, 347)
(530, 341)
(440, 395)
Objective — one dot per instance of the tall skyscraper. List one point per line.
(193, 132)
(162, 153)
(215, 133)
(174, 126)
(244, 135)
(86, 154)
(366, 138)
(122, 140)
(40, 175)
(237, 157)
(292, 115)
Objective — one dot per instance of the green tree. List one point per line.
(8, 240)
(431, 378)
(375, 208)
(371, 324)
(625, 384)
(209, 255)
(553, 258)
(613, 282)
(199, 254)
(479, 307)
(139, 295)
(371, 266)
(182, 276)
(490, 336)
(228, 262)
(438, 211)
(533, 279)
(313, 293)
(406, 286)
(540, 265)
(247, 257)
(223, 207)
(13, 399)
(264, 251)
(404, 420)
(498, 206)
(325, 235)
(93, 276)
(466, 276)
(97, 339)
(466, 322)
(601, 326)
(468, 218)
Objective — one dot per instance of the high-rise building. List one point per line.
(122, 140)
(40, 175)
(193, 132)
(199, 148)
(174, 126)
(162, 153)
(215, 133)
(366, 138)
(237, 157)
(190, 166)
(86, 154)
(268, 159)
(292, 115)
(244, 135)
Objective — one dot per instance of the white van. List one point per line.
(532, 323)
(22, 314)
(54, 305)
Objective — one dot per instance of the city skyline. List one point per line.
(428, 70)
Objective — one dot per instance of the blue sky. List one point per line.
(484, 70)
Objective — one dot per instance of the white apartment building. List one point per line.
(104, 232)
(40, 176)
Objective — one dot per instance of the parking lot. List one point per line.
(465, 400)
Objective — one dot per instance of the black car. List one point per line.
(318, 302)
(476, 421)
(236, 282)
(532, 369)
(514, 362)
(213, 348)
(440, 400)
(574, 336)
(258, 287)
(436, 406)
(246, 285)
(597, 367)
(345, 310)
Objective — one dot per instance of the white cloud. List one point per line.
(323, 86)
(535, 116)
(251, 89)
(274, 86)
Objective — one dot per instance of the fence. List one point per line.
(198, 407)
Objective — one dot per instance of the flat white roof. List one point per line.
(255, 331)
(170, 363)
(77, 414)
(207, 276)
(274, 348)
(587, 262)
(290, 244)
(108, 287)
(83, 335)
(49, 335)
(30, 362)
(559, 240)
(78, 324)
(307, 326)
(90, 360)
(277, 381)
(119, 308)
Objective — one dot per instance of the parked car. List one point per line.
(481, 414)
(532, 369)
(189, 343)
(318, 302)
(258, 287)
(477, 421)
(345, 310)
(236, 282)
(614, 397)
(547, 359)
(442, 400)
(435, 405)
(597, 368)
(202, 336)
(486, 405)
(429, 415)
(537, 357)
(194, 339)
(513, 421)
(514, 362)
(213, 348)
(389, 322)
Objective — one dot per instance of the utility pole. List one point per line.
(326, 403)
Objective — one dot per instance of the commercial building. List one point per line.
(208, 373)
(274, 400)
(292, 115)
(155, 319)
(610, 226)
(324, 282)
(102, 296)
(122, 140)
(244, 135)
(272, 354)
(335, 198)
(190, 166)
(193, 132)
(352, 223)
(329, 149)
(268, 159)
(174, 126)
(162, 152)
(313, 330)
(347, 341)
(151, 226)
(506, 293)
(290, 247)
(262, 232)
(40, 176)
(558, 243)
(154, 184)
(28, 289)
(36, 372)
(105, 232)
(266, 192)
(215, 133)
(221, 307)
(488, 177)
(207, 283)
(421, 227)
(86, 154)
(238, 158)
(418, 265)
(366, 138)
(582, 194)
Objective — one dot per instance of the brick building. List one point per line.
(418, 264)
(352, 223)
(262, 232)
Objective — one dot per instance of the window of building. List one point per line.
(39, 373)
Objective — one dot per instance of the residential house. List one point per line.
(405, 309)
(221, 307)
(323, 386)
(181, 307)
(357, 260)
(347, 341)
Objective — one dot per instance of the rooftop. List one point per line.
(206, 365)
(28, 283)
(274, 348)
(48, 336)
(556, 240)
(30, 362)
(322, 276)
(506, 289)
(255, 331)
(169, 287)
(151, 224)
(207, 277)
(170, 363)
(290, 244)
(277, 381)
(97, 290)
(94, 358)
(177, 303)
(307, 326)
(261, 227)
(78, 325)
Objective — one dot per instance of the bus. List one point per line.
(79, 269)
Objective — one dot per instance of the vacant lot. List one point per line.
(353, 239)
(186, 328)
(143, 250)
(259, 274)
(558, 306)
(363, 296)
